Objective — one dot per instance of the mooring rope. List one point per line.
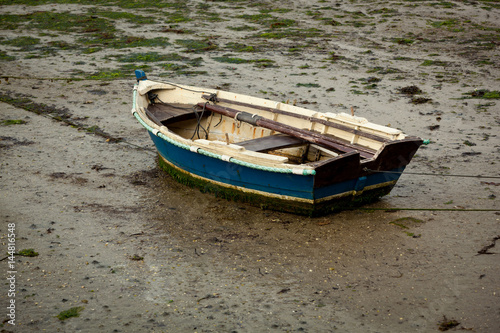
(395, 209)
(431, 174)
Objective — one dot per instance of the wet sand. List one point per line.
(135, 251)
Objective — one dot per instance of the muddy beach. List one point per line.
(118, 246)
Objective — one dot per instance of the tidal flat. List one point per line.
(121, 247)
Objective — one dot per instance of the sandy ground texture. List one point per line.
(121, 247)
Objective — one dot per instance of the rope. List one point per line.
(394, 209)
(155, 99)
(432, 174)
(196, 91)
(198, 123)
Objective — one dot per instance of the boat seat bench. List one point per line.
(271, 142)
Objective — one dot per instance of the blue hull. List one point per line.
(290, 190)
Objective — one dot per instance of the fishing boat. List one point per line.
(272, 154)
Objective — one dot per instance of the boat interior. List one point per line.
(194, 121)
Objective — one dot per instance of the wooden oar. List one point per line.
(306, 135)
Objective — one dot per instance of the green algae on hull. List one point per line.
(347, 202)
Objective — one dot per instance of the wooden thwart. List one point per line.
(271, 142)
(168, 113)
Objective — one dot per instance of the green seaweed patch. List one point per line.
(184, 67)
(197, 46)
(92, 49)
(281, 23)
(262, 18)
(483, 94)
(148, 57)
(443, 4)
(109, 40)
(68, 22)
(28, 253)
(62, 45)
(384, 11)
(174, 67)
(72, 312)
(210, 16)
(94, 129)
(243, 28)
(178, 17)
(359, 92)
(297, 48)
(10, 22)
(447, 324)
(178, 4)
(333, 56)
(23, 43)
(57, 114)
(231, 60)
(401, 58)
(403, 41)
(129, 17)
(290, 33)
(9, 122)
(263, 63)
(401, 222)
(237, 47)
(276, 10)
(38, 108)
(356, 24)
(195, 62)
(173, 4)
(108, 74)
(383, 70)
(434, 63)
(330, 21)
(357, 14)
(136, 257)
(370, 82)
(185, 72)
(5, 57)
(308, 85)
(410, 90)
(420, 100)
(446, 23)
(485, 62)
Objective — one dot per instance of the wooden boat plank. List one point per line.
(340, 168)
(394, 154)
(271, 142)
(363, 149)
(168, 113)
